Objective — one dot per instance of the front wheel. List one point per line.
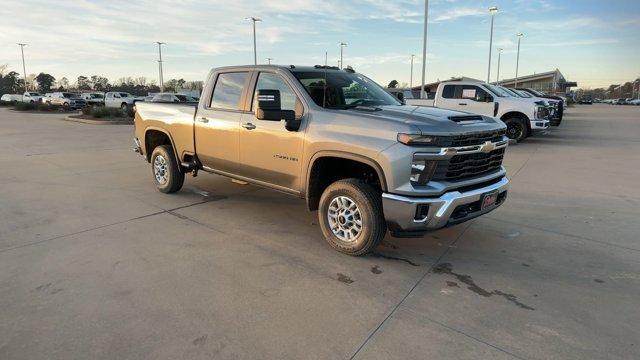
(123, 107)
(516, 128)
(351, 217)
(166, 173)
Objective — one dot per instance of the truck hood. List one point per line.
(431, 120)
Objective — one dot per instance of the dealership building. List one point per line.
(551, 82)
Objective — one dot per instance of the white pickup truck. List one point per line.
(523, 117)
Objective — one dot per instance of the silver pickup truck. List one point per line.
(364, 160)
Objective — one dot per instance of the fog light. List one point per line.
(422, 211)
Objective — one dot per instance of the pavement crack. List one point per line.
(395, 308)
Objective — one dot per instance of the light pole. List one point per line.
(492, 10)
(411, 77)
(342, 45)
(424, 48)
(24, 68)
(160, 75)
(269, 60)
(519, 35)
(498, 73)
(325, 58)
(254, 20)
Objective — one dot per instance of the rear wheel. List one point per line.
(351, 218)
(166, 173)
(123, 106)
(516, 128)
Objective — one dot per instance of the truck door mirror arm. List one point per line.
(269, 109)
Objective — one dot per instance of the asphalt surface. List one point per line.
(95, 263)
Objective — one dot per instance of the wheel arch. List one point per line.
(518, 114)
(148, 142)
(313, 190)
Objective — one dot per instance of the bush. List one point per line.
(100, 112)
(21, 106)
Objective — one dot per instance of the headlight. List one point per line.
(541, 112)
(422, 171)
(416, 139)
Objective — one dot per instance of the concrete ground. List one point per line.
(95, 263)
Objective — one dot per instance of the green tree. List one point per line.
(393, 84)
(45, 82)
(83, 83)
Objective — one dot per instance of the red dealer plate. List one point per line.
(489, 199)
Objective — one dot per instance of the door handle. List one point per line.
(464, 104)
(203, 120)
(248, 126)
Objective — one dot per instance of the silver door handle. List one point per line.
(248, 126)
(203, 120)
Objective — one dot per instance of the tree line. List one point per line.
(12, 82)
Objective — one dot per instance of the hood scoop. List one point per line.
(466, 119)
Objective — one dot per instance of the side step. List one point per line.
(191, 167)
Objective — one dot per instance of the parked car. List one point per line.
(13, 98)
(585, 100)
(619, 101)
(94, 98)
(67, 100)
(334, 137)
(522, 117)
(173, 98)
(552, 104)
(634, 102)
(45, 99)
(561, 105)
(122, 100)
(31, 97)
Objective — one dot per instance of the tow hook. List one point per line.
(194, 172)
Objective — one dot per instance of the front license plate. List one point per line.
(489, 199)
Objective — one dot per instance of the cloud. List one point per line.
(456, 13)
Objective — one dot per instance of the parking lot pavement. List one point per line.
(95, 263)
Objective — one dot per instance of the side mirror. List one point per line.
(269, 109)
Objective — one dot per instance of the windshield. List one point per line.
(181, 98)
(497, 91)
(511, 92)
(343, 90)
(34, 94)
(69, 95)
(124, 95)
(536, 92)
(524, 93)
(96, 96)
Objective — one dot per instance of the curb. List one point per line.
(98, 122)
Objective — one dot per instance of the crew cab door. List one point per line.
(471, 98)
(479, 100)
(217, 122)
(269, 152)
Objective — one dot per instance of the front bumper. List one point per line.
(404, 214)
(540, 126)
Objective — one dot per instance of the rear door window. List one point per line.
(228, 90)
(448, 92)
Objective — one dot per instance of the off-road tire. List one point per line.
(175, 177)
(369, 203)
(516, 128)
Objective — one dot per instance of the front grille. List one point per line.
(476, 139)
(468, 165)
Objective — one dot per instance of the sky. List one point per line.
(595, 43)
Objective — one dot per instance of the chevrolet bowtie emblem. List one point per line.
(487, 147)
